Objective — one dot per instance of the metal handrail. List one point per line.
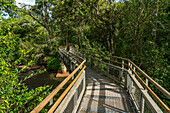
(39, 107)
(164, 91)
(160, 88)
(150, 91)
(65, 92)
(108, 59)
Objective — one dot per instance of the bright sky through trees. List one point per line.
(28, 2)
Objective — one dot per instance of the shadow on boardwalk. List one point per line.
(103, 96)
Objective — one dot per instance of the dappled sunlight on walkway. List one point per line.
(102, 95)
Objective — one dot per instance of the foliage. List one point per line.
(135, 29)
(7, 8)
(14, 95)
(54, 64)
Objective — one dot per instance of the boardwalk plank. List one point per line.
(103, 96)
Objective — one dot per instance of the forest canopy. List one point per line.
(32, 34)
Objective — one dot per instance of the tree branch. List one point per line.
(29, 13)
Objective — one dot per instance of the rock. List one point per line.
(66, 74)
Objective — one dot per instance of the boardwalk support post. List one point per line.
(121, 72)
(63, 67)
(142, 97)
(133, 87)
(126, 83)
(143, 100)
(51, 102)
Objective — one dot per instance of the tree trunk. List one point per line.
(108, 43)
(111, 43)
(46, 20)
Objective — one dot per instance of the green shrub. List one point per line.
(54, 64)
(14, 95)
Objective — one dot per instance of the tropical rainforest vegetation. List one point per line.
(30, 35)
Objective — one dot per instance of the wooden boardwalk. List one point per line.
(103, 96)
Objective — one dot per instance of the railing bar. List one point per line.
(51, 102)
(145, 94)
(146, 83)
(106, 55)
(164, 91)
(114, 66)
(111, 61)
(151, 92)
(63, 105)
(146, 76)
(108, 59)
(142, 104)
(76, 55)
(80, 96)
(136, 106)
(65, 92)
(53, 93)
(133, 75)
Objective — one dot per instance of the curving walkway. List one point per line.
(103, 96)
